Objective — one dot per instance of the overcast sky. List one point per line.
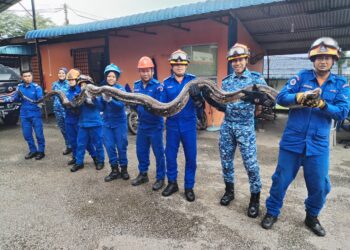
(82, 11)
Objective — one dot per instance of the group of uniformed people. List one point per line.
(305, 141)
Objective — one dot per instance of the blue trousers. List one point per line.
(28, 125)
(86, 135)
(232, 135)
(116, 138)
(60, 119)
(315, 175)
(72, 136)
(144, 140)
(189, 143)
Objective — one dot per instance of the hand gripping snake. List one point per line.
(153, 105)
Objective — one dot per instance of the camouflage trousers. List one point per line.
(60, 120)
(231, 135)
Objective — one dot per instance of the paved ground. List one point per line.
(44, 206)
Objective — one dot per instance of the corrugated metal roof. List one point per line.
(18, 50)
(292, 26)
(188, 10)
(5, 4)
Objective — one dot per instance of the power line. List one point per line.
(74, 11)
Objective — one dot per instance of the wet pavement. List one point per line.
(45, 206)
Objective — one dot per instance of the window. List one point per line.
(203, 60)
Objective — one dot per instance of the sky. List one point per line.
(82, 11)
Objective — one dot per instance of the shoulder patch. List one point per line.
(160, 88)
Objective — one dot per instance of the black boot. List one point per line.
(95, 161)
(158, 185)
(100, 165)
(124, 172)
(140, 179)
(39, 155)
(190, 196)
(313, 223)
(268, 221)
(229, 194)
(115, 174)
(76, 167)
(67, 151)
(71, 162)
(30, 155)
(253, 209)
(170, 189)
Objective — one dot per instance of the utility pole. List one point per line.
(66, 21)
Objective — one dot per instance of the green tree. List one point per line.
(12, 25)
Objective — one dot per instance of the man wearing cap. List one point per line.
(305, 141)
(90, 128)
(150, 127)
(238, 127)
(62, 85)
(181, 127)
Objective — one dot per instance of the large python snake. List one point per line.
(91, 91)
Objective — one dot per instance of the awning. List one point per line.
(5, 4)
(17, 50)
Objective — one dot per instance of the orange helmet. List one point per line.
(179, 57)
(145, 62)
(73, 74)
(324, 46)
(238, 51)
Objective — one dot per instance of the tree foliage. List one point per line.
(12, 25)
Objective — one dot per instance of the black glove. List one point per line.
(196, 96)
(218, 106)
(258, 98)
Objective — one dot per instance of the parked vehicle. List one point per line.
(9, 80)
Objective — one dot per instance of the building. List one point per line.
(205, 30)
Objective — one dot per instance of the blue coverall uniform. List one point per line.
(238, 129)
(58, 109)
(90, 129)
(305, 141)
(71, 125)
(181, 127)
(115, 133)
(31, 116)
(150, 130)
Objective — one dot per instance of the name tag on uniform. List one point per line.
(170, 87)
(333, 90)
(308, 86)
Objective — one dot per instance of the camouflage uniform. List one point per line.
(238, 129)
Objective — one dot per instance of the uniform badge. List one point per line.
(293, 82)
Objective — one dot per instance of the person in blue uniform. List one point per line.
(150, 127)
(90, 128)
(115, 133)
(31, 116)
(181, 127)
(238, 127)
(72, 118)
(59, 111)
(305, 141)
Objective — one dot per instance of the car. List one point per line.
(9, 80)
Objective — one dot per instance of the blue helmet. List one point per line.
(112, 67)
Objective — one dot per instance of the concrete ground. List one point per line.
(45, 206)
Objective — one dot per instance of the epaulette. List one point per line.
(228, 76)
(255, 73)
